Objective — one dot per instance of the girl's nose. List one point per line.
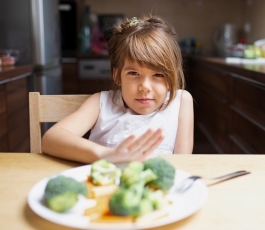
(145, 86)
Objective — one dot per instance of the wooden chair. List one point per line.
(49, 108)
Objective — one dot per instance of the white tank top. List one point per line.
(115, 123)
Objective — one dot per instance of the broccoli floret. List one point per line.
(82, 189)
(156, 197)
(61, 193)
(62, 202)
(143, 207)
(131, 201)
(131, 173)
(128, 200)
(147, 176)
(104, 173)
(164, 171)
(136, 195)
(125, 200)
(134, 172)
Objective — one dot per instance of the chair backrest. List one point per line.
(49, 108)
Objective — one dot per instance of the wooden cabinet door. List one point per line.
(212, 96)
(248, 107)
(3, 121)
(17, 111)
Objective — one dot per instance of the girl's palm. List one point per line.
(137, 149)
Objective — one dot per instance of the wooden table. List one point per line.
(234, 204)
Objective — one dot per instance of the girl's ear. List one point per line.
(115, 76)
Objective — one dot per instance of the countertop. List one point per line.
(8, 72)
(254, 71)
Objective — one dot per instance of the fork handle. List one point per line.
(231, 175)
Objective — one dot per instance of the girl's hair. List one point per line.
(151, 42)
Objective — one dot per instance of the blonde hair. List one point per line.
(151, 42)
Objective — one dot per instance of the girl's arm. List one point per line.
(64, 139)
(184, 139)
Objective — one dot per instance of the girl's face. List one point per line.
(144, 90)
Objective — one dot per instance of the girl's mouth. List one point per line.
(144, 100)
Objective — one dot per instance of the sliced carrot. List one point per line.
(110, 218)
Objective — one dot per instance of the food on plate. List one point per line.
(130, 201)
(134, 172)
(137, 194)
(164, 171)
(61, 193)
(104, 173)
(99, 190)
(134, 201)
(100, 208)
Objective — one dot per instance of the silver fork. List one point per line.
(188, 182)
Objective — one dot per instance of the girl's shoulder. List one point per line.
(105, 95)
(186, 103)
(182, 96)
(98, 96)
(92, 100)
(185, 96)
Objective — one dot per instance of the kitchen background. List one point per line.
(77, 72)
(195, 18)
(198, 19)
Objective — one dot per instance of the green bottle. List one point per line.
(85, 33)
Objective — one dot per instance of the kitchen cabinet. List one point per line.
(94, 74)
(248, 109)
(228, 105)
(70, 76)
(77, 81)
(14, 110)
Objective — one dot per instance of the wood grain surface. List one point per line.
(234, 204)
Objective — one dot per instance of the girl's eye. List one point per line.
(158, 75)
(132, 73)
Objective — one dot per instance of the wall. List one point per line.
(15, 27)
(191, 18)
(254, 15)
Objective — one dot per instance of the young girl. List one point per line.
(146, 113)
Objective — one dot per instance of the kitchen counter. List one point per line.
(253, 71)
(7, 72)
(14, 118)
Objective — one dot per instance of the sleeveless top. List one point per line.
(115, 123)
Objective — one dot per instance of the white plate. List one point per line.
(183, 205)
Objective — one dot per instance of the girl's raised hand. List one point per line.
(136, 148)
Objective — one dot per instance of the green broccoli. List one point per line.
(136, 195)
(129, 201)
(164, 171)
(131, 173)
(156, 197)
(104, 173)
(144, 206)
(61, 193)
(134, 172)
(82, 189)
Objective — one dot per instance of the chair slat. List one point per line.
(49, 108)
(35, 130)
(54, 108)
